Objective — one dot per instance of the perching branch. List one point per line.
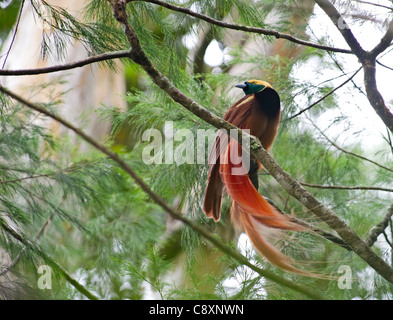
(293, 187)
(266, 32)
(158, 200)
(67, 66)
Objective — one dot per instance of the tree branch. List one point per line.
(67, 66)
(14, 35)
(366, 58)
(374, 96)
(267, 32)
(293, 187)
(379, 228)
(45, 175)
(158, 200)
(384, 65)
(342, 26)
(346, 187)
(385, 41)
(387, 239)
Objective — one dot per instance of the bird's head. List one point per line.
(253, 86)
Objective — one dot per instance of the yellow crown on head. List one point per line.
(260, 82)
(254, 86)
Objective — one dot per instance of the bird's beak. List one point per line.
(241, 85)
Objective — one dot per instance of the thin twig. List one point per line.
(384, 65)
(374, 4)
(68, 66)
(19, 256)
(347, 151)
(379, 228)
(45, 175)
(337, 63)
(267, 32)
(324, 97)
(389, 242)
(14, 35)
(346, 187)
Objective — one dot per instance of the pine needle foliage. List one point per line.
(81, 212)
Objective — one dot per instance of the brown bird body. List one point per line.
(258, 111)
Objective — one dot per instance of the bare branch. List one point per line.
(379, 228)
(384, 65)
(45, 175)
(385, 41)
(267, 32)
(67, 66)
(387, 239)
(374, 96)
(346, 187)
(374, 4)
